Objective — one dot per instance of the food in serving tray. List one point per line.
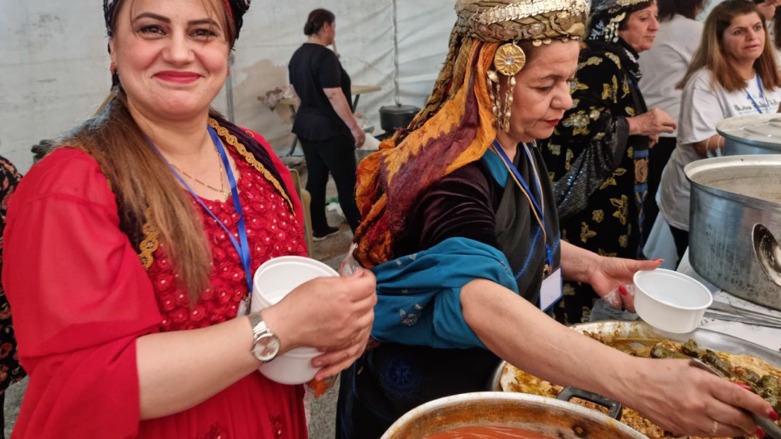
(762, 377)
(487, 432)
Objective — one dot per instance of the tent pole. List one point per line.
(229, 92)
(396, 54)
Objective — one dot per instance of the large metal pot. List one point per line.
(558, 419)
(393, 117)
(729, 196)
(752, 134)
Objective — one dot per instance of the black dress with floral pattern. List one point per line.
(10, 371)
(599, 171)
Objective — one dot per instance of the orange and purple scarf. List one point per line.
(455, 129)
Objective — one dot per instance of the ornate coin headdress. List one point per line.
(607, 15)
(612, 7)
(471, 100)
(508, 22)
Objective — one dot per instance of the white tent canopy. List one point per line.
(54, 64)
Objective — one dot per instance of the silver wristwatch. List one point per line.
(266, 345)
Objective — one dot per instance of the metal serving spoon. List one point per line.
(732, 313)
(768, 252)
(771, 429)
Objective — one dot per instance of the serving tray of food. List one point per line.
(739, 360)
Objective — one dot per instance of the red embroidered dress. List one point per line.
(83, 298)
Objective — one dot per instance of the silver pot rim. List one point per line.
(696, 168)
(733, 129)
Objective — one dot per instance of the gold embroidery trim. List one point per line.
(234, 142)
(151, 241)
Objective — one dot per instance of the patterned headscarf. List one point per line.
(235, 8)
(458, 122)
(607, 15)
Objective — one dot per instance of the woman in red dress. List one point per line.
(129, 254)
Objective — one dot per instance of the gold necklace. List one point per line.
(221, 189)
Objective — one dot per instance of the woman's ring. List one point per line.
(715, 428)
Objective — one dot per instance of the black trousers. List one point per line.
(337, 157)
(657, 159)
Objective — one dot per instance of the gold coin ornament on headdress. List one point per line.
(509, 59)
(607, 15)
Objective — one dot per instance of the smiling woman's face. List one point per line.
(640, 28)
(171, 56)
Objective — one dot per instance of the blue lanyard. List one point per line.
(524, 186)
(761, 95)
(241, 246)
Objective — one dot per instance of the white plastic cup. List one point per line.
(272, 281)
(670, 301)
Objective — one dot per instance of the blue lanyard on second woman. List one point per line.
(537, 204)
(241, 246)
(761, 95)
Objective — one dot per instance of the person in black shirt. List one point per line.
(324, 123)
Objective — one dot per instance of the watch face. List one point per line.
(266, 348)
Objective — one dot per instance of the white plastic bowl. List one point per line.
(273, 280)
(670, 301)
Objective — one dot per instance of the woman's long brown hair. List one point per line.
(711, 55)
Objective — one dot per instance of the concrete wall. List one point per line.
(54, 65)
(53, 70)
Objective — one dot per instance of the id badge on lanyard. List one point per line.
(551, 291)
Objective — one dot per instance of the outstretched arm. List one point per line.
(604, 274)
(678, 397)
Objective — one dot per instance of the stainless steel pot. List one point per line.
(752, 134)
(729, 196)
(558, 419)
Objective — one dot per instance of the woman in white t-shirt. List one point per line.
(662, 66)
(733, 73)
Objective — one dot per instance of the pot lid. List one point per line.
(754, 129)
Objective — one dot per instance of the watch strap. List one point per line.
(258, 326)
